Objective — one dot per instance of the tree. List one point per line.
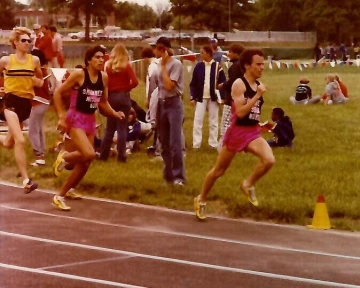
(97, 8)
(7, 13)
(213, 14)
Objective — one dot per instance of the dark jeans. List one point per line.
(119, 101)
(170, 120)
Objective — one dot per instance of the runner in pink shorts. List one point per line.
(243, 133)
(79, 123)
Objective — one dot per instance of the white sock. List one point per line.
(26, 181)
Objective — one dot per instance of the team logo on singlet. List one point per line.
(255, 111)
(92, 97)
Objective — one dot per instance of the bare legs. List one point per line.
(80, 155)
(15, 139)
(258, 147)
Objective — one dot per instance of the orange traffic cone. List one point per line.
(321, 219)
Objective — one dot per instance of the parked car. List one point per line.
(100, 36)
(118, 36)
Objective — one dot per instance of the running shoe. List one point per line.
(59, 203)
(71, 194)
(59, 163)
(30, 186)
(249, 193)
(199, 208)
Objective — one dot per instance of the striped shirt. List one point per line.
(18, 77)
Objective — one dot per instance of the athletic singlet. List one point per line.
(89, 94)
(253, 117)
(18, 77)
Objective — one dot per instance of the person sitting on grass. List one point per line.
(282, 129)
(343, 89)
(134, 131)
(333, 91)
(303, 94)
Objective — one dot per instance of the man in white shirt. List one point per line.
(207, 76)
(57, 47)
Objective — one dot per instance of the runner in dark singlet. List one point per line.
(243, 133)
(79, 123)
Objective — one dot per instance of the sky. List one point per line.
(151, 3)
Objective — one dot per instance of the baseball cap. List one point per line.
(213, 41)
(164, 41)
(36, 26)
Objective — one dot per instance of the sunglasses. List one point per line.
(25, 40)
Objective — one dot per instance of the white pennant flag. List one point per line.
(332, 64)
(357, 61)
(278, 64)
(188, 68)
(58, 73)
(270, 65)
(227, 64)
(300, 67)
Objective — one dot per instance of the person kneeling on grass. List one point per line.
(79, 123)
(243, 133)
(282, 129)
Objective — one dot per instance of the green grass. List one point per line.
(324, 160)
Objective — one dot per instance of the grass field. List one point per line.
(324, 160)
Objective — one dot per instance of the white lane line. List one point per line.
(179, 261)
(86, 262)
(164, 209)
(68, 276)
(189, 235)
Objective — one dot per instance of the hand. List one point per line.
(261, 89)
(193, 103)
(120, 115)
(61, 125)
(164, 58)
(37, 82)
(220, 86)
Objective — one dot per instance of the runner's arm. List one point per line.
(243, 107)
(74, 79)
(38, 78)
(104, 106)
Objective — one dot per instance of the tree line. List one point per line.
(333, 20)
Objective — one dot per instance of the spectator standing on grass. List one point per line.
(303, 94)
(38, 35)
(234, 72)
(58, 59)
(171, 113)
(22, 73)
(122, 80)
(45, 43)
(152, 97)
(79, 122)
(244, 132)
(204, 86)
(217, 51)
(39, 107)
(317, 52)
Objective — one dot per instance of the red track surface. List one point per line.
(112, 244)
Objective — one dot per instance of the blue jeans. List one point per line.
(119, 101)
(170, 120)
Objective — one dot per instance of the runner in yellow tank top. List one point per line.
(22, 73)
